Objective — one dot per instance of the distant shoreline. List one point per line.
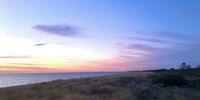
(52, 77)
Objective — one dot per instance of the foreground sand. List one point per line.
(116, 87)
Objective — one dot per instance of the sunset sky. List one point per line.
(98, 35)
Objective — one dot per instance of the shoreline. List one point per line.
(106, 74)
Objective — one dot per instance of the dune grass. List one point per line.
(138, 86)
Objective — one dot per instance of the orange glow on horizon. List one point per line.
(20, 55)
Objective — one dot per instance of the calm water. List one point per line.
(7, 80)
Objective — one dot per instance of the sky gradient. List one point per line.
(98, 35)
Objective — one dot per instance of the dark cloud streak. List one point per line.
(40, 44)
(61, 30)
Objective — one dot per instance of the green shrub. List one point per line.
(170, 80)
(195, 83)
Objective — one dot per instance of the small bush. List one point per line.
(195, 83)
(170, 80)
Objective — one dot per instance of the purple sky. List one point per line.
(104, 35)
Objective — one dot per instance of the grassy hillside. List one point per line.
(141, 86)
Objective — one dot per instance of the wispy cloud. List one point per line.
(162, 57)
(40, 44)
(154, 40)
(137, 51)
(18, 69)
(61, 30)
(162, 37)
(163, 49)
(22, 64)
(140, 47)
(15, 57)
(174, 35)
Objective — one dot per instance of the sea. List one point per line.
(9, 80)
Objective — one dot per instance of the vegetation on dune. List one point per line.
(164, 85)
(170, 80)
(183, 77)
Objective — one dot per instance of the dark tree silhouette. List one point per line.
(185, 66)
